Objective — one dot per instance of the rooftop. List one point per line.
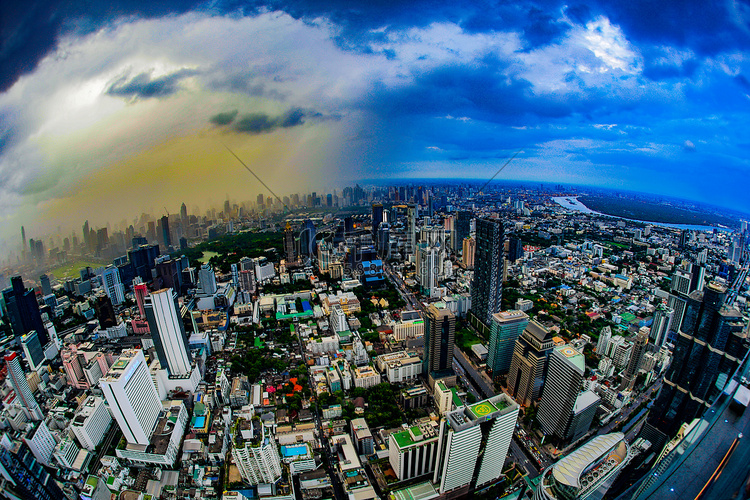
(570, 469)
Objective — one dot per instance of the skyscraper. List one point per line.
(23, 310)
(377, 219)
(113, 286)
(33, 350)
(168, 332)
(289, 244)
(27, 478)
(207, 279)
(461, 228)
(166, 235)
(46, 287)
(486, 289)
(636, 357)
(709, 346)
(132, 398)
(528, 367)
(473, 444)
(507, 326)
(565, 412)
(440, 329)
(307, 243)
(17, 379)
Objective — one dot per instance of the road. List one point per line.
(474, 376)
(626, 411)
(518, 454)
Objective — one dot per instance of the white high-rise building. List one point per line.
(41, 442)
(20, 385)
(337, 319)
(207, 280)
(132, 397)
(112, 285)
(603, 342)
(413, 452)
(168, 332)
(473, 443)
(91, 422)
(257, 458)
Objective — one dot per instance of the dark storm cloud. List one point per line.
(30, 30)
(224, 118)
(259, 123)
(142, 86)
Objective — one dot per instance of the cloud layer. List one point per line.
(629, 95)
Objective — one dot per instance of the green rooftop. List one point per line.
(482, 409)
(406, 438)
(456, 399)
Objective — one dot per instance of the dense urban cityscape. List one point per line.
(409, 341)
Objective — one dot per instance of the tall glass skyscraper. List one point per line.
(487, 287)
(709, 348)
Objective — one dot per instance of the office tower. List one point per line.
(377, 218)
(461, 228)
(564, 410)
(166, 237)
(289, 244)
(439, 332)
(91, 422)
(104, 311)
(515, 249)
(709, 346)
(528, 368)
(24, 476)
(469, 250)
(140, 290)
(507, 326)
(429, 265)
(681, 282)
(603, 343)
(23, 310)
(413, 452)
(132, 397)
(20, 385)
(207, 279)
(41, 442)
(46, 287)
(170, 272)
(486, 288)
(411, 228)
(588, 472)
(143, 259)
(168, 332)
(256, 455)
(384, 241)
(113, 286)
(86, 236)
(23, 238)
(473, 444)
(307, 243)
(33, 350)
(636, 357)
(661, 325)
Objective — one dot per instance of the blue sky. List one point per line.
(108, 112)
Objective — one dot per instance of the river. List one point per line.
(573, 203)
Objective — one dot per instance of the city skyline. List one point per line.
(115, 109)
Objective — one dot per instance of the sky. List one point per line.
(107, 111)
